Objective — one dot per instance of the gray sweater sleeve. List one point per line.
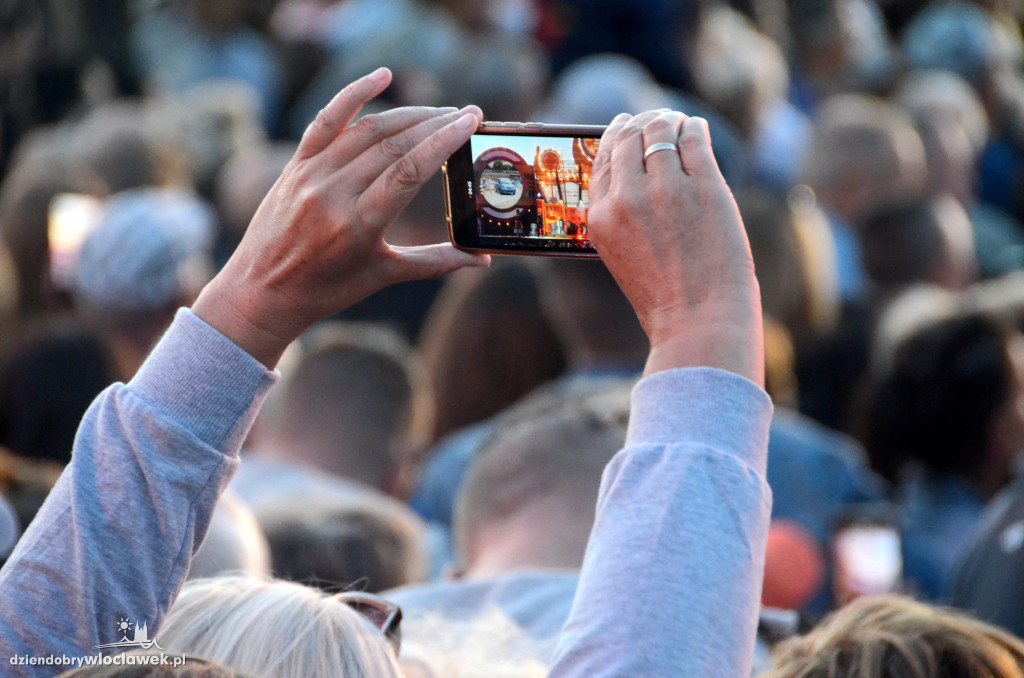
(114, 538)
(671, 582)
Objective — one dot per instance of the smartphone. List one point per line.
(867, 553)
(71, 218)
(522, 188)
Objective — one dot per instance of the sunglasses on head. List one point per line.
(382, 614)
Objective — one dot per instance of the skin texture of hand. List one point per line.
(316, 245)
(669, 231)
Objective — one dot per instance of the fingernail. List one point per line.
(467, 121)
(446, 110)
(378, 74)
(621, 117)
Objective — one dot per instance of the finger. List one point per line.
(628, 151)
(664, 129)
(600, 177)
(336, 115)
(395, 187)
(431, 261)
(695, 149)
(400, 141)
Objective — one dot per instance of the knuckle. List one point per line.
(407, 172)
(658, 125)
(369, 125)
(395, 146)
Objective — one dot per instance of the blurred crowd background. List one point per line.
(458, 427)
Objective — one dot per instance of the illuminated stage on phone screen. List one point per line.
(533, 188)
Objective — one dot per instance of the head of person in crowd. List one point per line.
(365, 539)
(865, 155)
(590, 315)
(50, 372)
(506, 75)
(950, 401)
(965, 38)
(356, 404)
(793, 258)
(206, 125)
(839, 46)
(737, 69)
(191, 667)
(927, 241)
(594, 89)
(529, 495)
(953, 126)
(486, 343)
(276, 628)
(234, 542)
(39, 171)
(148, 255)
(894, 637)
(121, 143)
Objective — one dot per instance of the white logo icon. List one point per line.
(139, 637)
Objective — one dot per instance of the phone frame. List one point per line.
(461, 209)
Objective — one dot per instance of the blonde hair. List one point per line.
(895, 637)
(275, 629)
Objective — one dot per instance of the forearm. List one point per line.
(671, 580)
(114, 538)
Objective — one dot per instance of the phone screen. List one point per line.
(72, 217)
(868, 560)
(522, 192)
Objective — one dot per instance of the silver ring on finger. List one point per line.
(663, 146)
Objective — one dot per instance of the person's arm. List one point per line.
(672, 577)
(114, 539)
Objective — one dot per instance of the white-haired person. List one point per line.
(672, 573)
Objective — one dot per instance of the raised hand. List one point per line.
(669, 231)
(316, 244)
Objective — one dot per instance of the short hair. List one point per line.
(917, 241)
(946, 384)
(589, 312)
(366, 538)
(486, 343)
(556, 456)
(354, 403)
(895, 637)
(272, 627)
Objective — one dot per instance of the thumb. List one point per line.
(432, 261)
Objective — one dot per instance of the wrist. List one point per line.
(723, 336)
(237, 313)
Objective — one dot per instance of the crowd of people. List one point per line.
(507, 466)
